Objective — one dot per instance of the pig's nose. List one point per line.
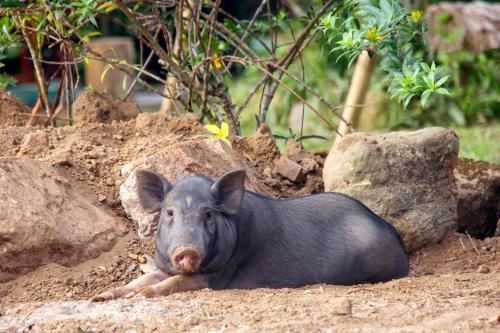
(187, 261)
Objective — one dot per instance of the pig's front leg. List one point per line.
(174, 284)
(145, 280)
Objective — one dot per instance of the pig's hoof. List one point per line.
(147, 292)
(103, 297)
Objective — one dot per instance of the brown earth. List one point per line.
(453, 286)
(12, 112)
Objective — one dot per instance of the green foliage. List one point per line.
(385, 29)
(6, 81)
(49, 21)
(480, 142)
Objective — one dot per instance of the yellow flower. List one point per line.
(217, 62)
(373, 36)
(416, 15)
(221, 133)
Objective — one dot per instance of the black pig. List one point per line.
(217, 235)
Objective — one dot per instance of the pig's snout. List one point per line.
(187, 261)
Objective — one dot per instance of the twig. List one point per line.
(473, 244)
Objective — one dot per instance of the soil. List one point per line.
(453, 286)
(12, 112)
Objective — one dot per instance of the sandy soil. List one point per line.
(453, 286)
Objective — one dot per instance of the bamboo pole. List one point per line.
(357, 93)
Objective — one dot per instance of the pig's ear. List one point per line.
(229, 190)
(151, 189)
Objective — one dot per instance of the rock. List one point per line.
(405, 177)
(43, 220)
(478, 187)
(289, 169)
(191, 157)
(131, 267)
(34, 143)
(92, 107)
(483, 269)
(342, 306)
(12, 111)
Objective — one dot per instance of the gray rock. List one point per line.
(405, 177)
(191, 157)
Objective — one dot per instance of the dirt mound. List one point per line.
(43, 220)
(92, 107)
(12, 112)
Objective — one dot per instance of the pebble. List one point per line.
(342, 306)
(132, 256)
(131, 267)
(483, 269)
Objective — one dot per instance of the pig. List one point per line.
(214, 234)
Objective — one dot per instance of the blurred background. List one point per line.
(471, 59)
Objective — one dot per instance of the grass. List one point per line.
(480, 142)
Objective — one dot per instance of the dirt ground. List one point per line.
(453, 286)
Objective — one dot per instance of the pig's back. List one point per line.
(324, 238)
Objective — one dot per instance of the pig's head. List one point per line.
(197, 231)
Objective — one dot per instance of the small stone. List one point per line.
(69, 294)
(101, 198)
(118, 137)
(342, 306)
(132, 256)
(289, 169)
(141, 259)
(267, 173)
(483, 269)
(131, 267)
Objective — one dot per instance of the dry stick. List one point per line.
(225, 32)
(34, 111)
(289, 58)
(141, 70)
(168, 104)
(172, 66)
(40, 75)
(473, 244)
(248, 31)
(59, 94)
(208, 52)
(124, 68)
(293, 92)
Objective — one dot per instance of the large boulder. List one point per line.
(43, 219)
(478, 185)
(191, 157)
(405, 177)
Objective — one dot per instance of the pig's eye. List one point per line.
(170, 213)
